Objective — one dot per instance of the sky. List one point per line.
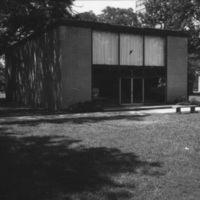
(98, 5)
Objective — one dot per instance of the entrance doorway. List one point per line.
(131, 91)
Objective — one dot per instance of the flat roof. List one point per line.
(103, 27)
(119, 28)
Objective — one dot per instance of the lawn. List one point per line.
(108, 156)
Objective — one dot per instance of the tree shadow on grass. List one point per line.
(59, 168)
(75, 120)
(11, 109)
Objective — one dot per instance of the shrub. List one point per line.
(82, 107)
(182, 101)
(194, 101)
(185, 101)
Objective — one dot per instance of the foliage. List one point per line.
(182, 15)
(174, 15)
(112, 15)
(119, 16)
(194, 101)
(2, 74)
(19, 18)
(186, 101)
(193, 66)
(2, 79)
(182, 101)
(82, 107)
(169, 14)
(87, 16)
(189, 102)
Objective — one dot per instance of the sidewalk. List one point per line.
(137, 112)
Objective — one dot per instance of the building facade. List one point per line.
(84, 61)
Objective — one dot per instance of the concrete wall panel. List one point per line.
(76, 65)
(177, 63)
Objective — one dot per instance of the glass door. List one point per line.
(138, 90)
(125, 91)
(131, 91)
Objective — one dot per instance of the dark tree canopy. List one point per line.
(119, 16)
(180, 15)
(183, 15)
(19, 18)
(87, 16)
(175, 15)
(169, 14)
(2, 74)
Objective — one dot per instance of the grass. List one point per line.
(108, 156)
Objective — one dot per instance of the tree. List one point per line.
(119, 16)
(20, 18)
(175, 15)
(87, 16)
(182, 15)
(2, 74)
(169, 14)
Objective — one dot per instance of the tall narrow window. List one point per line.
(154, 51)
(131, 49)
(105, 48)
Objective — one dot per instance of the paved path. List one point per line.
(25, 119)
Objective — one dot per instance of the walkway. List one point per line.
(39, 116)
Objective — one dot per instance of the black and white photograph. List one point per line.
(99, 100)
